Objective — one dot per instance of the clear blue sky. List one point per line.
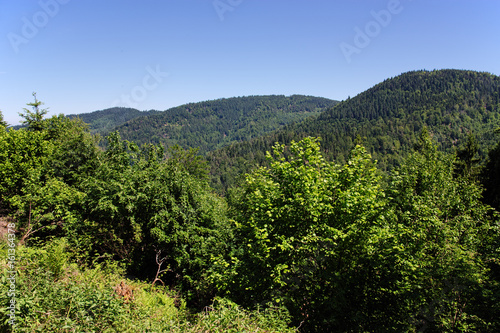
(86, 55)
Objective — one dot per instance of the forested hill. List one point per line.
(104, 121)
(387, 118)
(214, 124)
(451, 103)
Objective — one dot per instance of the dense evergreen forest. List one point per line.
(206, 125)
(104, 121)
(387, 119)
(321, 237)
(214, 124)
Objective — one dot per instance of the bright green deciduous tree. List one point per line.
(441, 233)
(156, 214)
(309, 233)
(75, 154)
(39, 170)
(23, 157)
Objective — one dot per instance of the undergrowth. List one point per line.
(53, 294)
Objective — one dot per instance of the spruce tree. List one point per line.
(34, 119)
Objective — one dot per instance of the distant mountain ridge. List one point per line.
(208, 125)
(104, 121)
(450, 103)
(387, 119)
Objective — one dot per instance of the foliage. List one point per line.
(75, 155)
(344, 255)
(441, 230)
(38, 169)
(467, 162)
(226, 316)
(139, 205)
(23, 159)
(102, 300)
(189, 159)
(302, 242)
(307, 231)
(125, 202)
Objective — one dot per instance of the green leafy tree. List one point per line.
(440, 230)
(109, 207)
(23, 160)
(185, 225)
(40, 167)
(156, 215)
(28, 189)
(193, 163)
(308, 232)
(75, 154)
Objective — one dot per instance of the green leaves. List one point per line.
(334, 243)
(143, 203)
(125, 202)
(330, 243)
(305, 224)
(23, 158)
(440, 223)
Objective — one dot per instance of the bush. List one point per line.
(102, 300)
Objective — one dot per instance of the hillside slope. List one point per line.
(104, 121)
(387, 118)
(214, 124)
